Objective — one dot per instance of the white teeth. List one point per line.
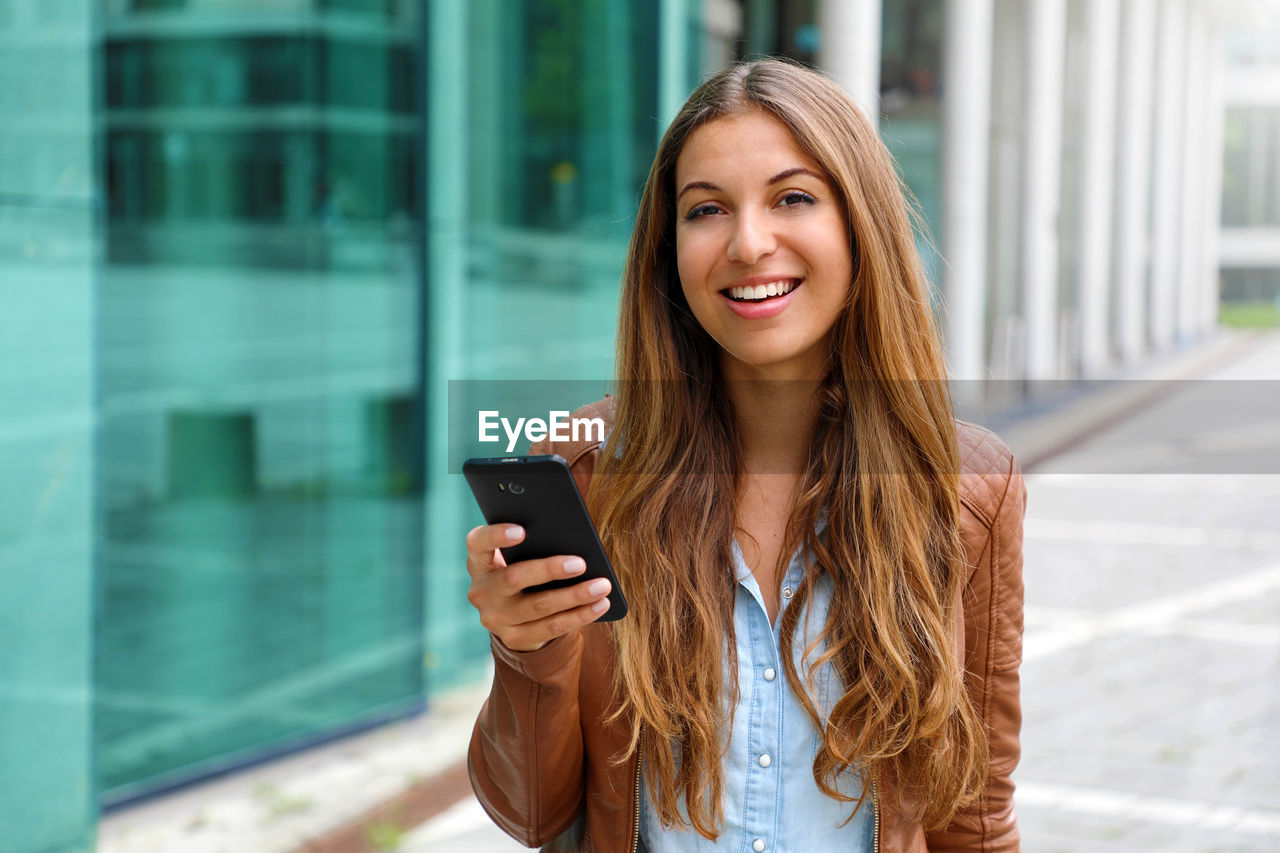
(763, 291)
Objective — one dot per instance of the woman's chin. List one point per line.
(774, 363)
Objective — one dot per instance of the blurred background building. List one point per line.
(246, 244)
(1249, 252)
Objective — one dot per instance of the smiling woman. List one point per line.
(783, 489)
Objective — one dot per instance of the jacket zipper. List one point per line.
(635, 834)
(875, 817)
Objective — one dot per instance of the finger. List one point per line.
(500, 598)
(526, 573)
(540, 605)
(482, 546)
(534, 635)
(491, 537)
(482, 564)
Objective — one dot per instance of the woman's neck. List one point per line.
(776, 421)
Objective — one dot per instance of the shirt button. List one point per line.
(786, 592)
(765, 760)
(769, 674)
(758, 845)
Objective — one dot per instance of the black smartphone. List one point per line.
(539, 494)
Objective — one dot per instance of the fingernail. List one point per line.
(601, 606)
(598, 587)
(575, 566)
(515, 533)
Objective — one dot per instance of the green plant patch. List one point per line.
(385, 835)
(1249, 315)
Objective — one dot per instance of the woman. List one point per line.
(784, 491)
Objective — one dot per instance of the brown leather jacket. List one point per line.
(540, 755)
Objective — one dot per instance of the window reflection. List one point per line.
(260, 452)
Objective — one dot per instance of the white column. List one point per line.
(1097, 170)
(850, 49)
(1191, 176)
(1046, 23)
(1166, 195)
(1133, 158)
(1215, 122)
(966, 135)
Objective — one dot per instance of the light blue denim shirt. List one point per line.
(771, 800)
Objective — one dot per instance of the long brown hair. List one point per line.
(882, 467)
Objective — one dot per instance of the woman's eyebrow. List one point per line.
(698, 185)
(798, 170)
(781, 176)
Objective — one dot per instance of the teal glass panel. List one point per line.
(911, 109)
(552, 108)
(47, 249)
(259, 373)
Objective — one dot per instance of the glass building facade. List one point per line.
(1251, 168)
(1251, 197)
(49, 252)
(259, 483)
(542, 122)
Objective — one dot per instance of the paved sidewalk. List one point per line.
(295, 801)
(1151, 674)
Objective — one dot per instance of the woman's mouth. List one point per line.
(762, 292)
(761, 301)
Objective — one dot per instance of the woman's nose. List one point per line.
(752, 239)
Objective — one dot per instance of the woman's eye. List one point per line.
(795, 197)
(700, 210)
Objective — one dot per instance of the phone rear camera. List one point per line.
(516, 488)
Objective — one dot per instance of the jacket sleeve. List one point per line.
(525, 758)
(993, 653)
(526, 752)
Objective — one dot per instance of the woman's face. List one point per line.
(761, 247)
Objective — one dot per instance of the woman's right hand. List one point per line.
(527, 622)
